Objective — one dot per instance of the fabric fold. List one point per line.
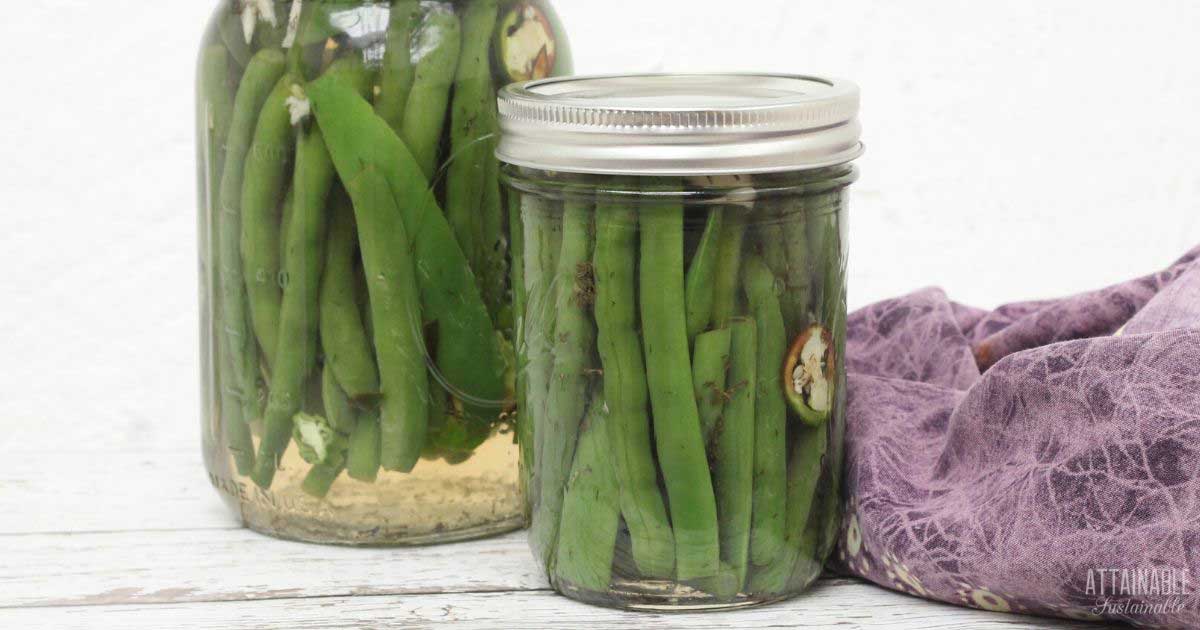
(1012, 460)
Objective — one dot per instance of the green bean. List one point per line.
(232, 36)
(681, 452)
(494, 263)
(352, 72)
(709, 364)
(626, 392)
(825, 237)
(837, 428)
(474, 95)
(362, 459)
(804, 473)
(337, 408)
(296, 352)
(263, 191)
(770, 456)
(733, 450)
(806, 464)
(347, 347)
(701, 273)
(542, 236)
(285, 224)
(566, 398)
(725, 584)
(834, 308)
(590, 514)
(729, 262)
(524, 424)
(396, 79)
(468, 350)
(770, 228)
(320, 478)
(391, 281)
(794, 228)
(242, 363)
(808, 568)
(215, 113)
(425, 114)
(234, 425)
(439, 418)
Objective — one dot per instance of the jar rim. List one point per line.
(680, 124)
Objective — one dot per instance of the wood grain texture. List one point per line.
(840, 604)
(240, 565)
(118, 490)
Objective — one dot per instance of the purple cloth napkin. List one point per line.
(1041, 458)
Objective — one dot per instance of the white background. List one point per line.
(1017, 149)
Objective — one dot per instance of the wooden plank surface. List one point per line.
(107, 491)
(136, 538)
(840, 604)
(131, 539)
(239, 565)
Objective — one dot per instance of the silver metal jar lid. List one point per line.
(680, 124)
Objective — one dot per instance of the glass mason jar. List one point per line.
(357, 368)
(680, 253)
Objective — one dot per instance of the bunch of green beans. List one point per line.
(657, 319)
(353, 316)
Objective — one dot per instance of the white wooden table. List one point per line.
(116, 531)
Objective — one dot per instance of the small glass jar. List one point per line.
(680, 253)
(357, 364)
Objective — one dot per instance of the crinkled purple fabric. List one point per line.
(1003, 459)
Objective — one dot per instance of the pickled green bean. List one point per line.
(709, 365)
(681, 452)
(590, 514)
(468, 350)
(495, 260)
(262, 195)
(542, 239)
(216, 112)
(362, 458)
(400, 345)
(296, 354)
(396, 78)
(524, 422)
(797, 298)
(319, 480)
(344, 337)
(729, 262)
(425, 113)
(804, 472)
(566, 399)
(700, 275)
(261, 74)
(770, 444)
(733, 450)
(337, 407)
(625, 389)
(470, 123)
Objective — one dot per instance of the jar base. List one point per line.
(671, 597)
(436, 503)
(324, 533)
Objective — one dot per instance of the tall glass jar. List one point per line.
(357, 369)
(680, 252)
